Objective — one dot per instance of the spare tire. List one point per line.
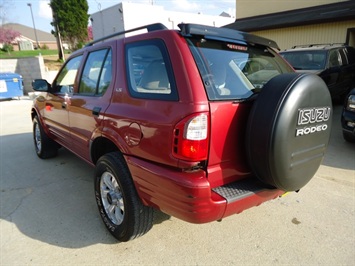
(288, 130)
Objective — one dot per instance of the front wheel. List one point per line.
(44, 146)
(120, 208)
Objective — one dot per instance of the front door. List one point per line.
(56, 108)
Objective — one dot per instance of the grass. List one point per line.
(30, 53)
(50, 57)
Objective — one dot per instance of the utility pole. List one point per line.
(34, 26)
(60, 45)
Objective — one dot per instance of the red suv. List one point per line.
(199, 123)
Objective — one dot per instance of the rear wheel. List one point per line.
(120, 208)
(44, 146)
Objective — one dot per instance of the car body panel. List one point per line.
(348, 117)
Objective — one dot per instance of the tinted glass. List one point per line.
(334, 58)
(350, 53)
(306, 60)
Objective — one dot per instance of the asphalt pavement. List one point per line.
(48, 214)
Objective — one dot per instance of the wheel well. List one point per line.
(101, 146)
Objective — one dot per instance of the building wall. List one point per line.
(251, 8)
(125, 16)
(335, 32)
(50, 46)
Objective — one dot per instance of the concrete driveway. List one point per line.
(49, 216)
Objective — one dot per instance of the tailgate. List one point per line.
(227, 160)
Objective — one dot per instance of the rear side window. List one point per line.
(235, 71)
(334, 58)
(97, 73)
(149, 71)
(347, 55)
(350, 54)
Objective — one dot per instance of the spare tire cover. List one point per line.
(288, 130)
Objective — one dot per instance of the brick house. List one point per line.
(27, 39)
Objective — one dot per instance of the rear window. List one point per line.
(235, 71)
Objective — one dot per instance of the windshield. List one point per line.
(235, 71)
(306, 60)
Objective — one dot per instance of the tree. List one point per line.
(90, 35)
(7, 36)
(70, 18)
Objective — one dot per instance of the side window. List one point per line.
(66, 78)
(334, 58)
(351, 55)
(97, 73)
(348, 55)
(106, 74)
(149, 71)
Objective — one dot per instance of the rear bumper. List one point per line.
(188, 195)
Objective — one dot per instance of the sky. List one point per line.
(18, 11)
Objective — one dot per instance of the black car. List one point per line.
(334, 63)
(348, 117)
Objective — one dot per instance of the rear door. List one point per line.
(335, 80)
(90, 99)
(348, 68)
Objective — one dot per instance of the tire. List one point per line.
(120, 208)
(44, 146)
(284, 146)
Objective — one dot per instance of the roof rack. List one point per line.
(316, 44)
(149, 28)
(222, 33)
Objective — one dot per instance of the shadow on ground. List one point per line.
(50, 200)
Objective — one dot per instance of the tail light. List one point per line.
(191, 138)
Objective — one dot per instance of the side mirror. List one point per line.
(41, 85)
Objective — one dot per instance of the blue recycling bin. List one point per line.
(11, 85)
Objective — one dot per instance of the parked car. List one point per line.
(334, 63)
(199, 123)
(348, 117)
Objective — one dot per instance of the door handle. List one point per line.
(64, 105)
